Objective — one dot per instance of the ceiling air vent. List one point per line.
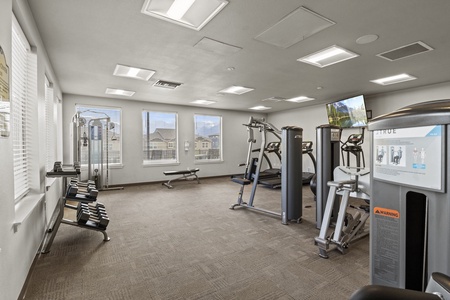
(274, 99)
(167, 84)
(405, 51)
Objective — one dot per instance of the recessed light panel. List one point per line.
(260, 107)
(236, 90)
(394, 79)
(119, 92)
(133, 72)
(300, 99)
(328, 56)
(194, 14)
(203, 102)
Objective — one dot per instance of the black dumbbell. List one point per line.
(84, 214)
(57, 166)
(100, 221)
(72, 190)
(95, 211)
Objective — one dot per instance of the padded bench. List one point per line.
(185, 174)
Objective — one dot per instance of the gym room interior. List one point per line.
(150, 130)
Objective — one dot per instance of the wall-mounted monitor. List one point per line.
(348, 113)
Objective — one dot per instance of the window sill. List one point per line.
(116, 166)
(159, 164)
(24, 207)
(84, 168)
(208, 162)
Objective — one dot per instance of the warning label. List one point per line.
(392, 213)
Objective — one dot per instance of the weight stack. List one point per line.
(291, 174)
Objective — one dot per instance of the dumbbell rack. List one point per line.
(84, 194)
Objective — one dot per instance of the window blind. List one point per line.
(23, 78)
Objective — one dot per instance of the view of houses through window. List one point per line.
(208, 137)
(160, 137)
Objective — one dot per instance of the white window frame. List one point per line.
(51, 111)
(199, 156)
(146, 127)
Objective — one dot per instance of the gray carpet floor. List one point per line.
(185, 243)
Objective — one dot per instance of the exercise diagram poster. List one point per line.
(410, 156)
(4, 96)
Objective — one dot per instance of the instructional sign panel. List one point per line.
(410, 156)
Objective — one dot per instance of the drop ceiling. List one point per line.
(85, 41)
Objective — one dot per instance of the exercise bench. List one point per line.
(185, 174)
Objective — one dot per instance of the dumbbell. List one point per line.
(77, 167)
(87, 183)
(101, 221)
(96, 210)
(57, 166)
(73, 190)
(83, 216)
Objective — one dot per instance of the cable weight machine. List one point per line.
(291, 175)
(92, 133)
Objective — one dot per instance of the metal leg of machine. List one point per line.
(349, 227)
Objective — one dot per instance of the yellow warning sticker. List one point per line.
(392, 213)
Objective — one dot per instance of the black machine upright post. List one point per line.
(291, 174)
(328, 146)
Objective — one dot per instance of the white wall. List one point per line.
(133, 171)
(18, 247)
(6, 158)
(310, 117)
(385, 103)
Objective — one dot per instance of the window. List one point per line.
(208, 138)
(23, 88)
(50, 124)
(160, 137)
(107, 137)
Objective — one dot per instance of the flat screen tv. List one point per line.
(348, 113)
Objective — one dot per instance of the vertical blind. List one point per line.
(23, 75)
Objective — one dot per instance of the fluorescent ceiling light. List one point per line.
(203, 102)
(260, 107)
(394, 79)
(179, 8)
(328, 56)
(119, 92)
(236, 90)
(300, 99)
(133, 72)
(194, 14)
